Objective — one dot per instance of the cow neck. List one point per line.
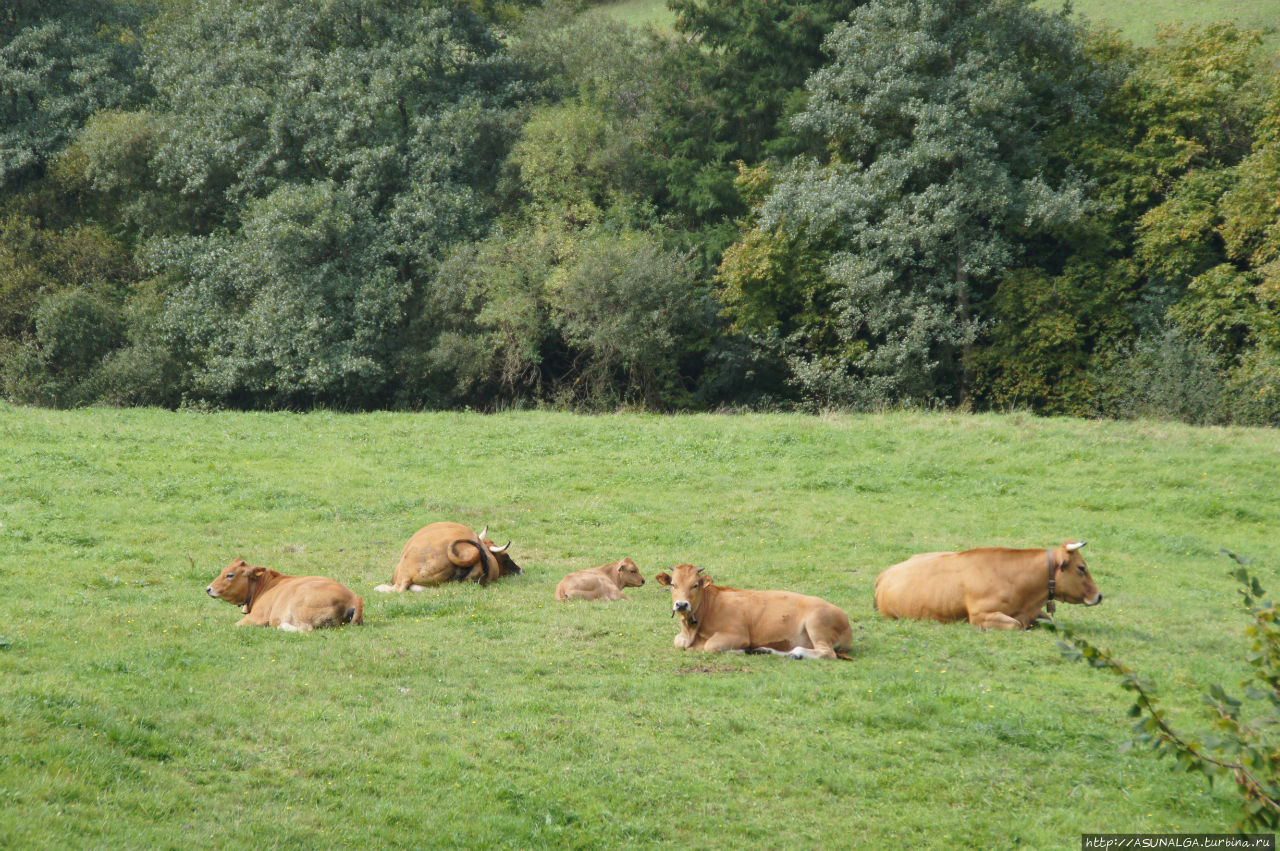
(705, 604)
(248, 600)
(1049, 606)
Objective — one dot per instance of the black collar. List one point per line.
(1049, 606)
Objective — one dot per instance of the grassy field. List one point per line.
(1138, 20)
(134, 714)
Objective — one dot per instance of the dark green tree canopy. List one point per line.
(935, 114)
(61, 61)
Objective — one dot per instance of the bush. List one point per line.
(1165, 376)
(626, 307)
(1248, 751)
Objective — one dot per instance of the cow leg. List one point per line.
(994, 620)
(819, 652)
(723, 642)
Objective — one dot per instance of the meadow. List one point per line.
(1137, 20)
(134, 714)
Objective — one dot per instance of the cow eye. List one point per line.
(230, 576)
(1081, 567)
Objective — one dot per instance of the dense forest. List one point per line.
(976, 204)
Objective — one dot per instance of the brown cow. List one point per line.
(992, 587)
(449, 552)
(727, 619)
(292, 603)
(601, 583)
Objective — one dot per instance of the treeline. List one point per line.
(393, 204)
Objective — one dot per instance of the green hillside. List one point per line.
(1137, 19)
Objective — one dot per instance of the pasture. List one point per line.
(134, 714)
(1137, 20)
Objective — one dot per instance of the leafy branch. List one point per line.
(1248, 751)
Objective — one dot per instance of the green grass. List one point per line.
(641, 13)
(1138, 20)
(133, 714)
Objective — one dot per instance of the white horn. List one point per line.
(484, 532)
(1071, 548)
(501, 549)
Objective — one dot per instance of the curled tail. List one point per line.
(355, 612)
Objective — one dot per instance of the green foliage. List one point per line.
(1245, 750)
(938, 168)
(74, 330)
(1165, 376)
(1160, 249)
(294, 309)
(1038, 350)
(625, 306)
(61, 61)
(588, 319)
(726, 87)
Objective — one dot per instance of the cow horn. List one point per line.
(700, 570)
(501, 549)
(1071, 548)
(484, 532)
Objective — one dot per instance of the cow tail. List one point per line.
(355, 612)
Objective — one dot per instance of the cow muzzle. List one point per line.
(211, 592)
(1095, 601)
(683, 607)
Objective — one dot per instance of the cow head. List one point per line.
(232, 582)
(1073, 582)
(628, 575)
(687, 584)
(506, 566)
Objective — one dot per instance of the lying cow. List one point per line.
(992, 587)
(601, 583)
(727, 619)
(449, 552)
(292, 603)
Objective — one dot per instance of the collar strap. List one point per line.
(1049, 606)
(248, 600)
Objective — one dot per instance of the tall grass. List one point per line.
(134, 714)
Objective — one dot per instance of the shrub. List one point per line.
(1248, 751)
(1166, 376)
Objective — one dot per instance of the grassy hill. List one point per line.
(1139, 20)
(135, 714)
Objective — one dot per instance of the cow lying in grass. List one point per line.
(601, 583)
(729, 620)
(991, 587)
(449, 552)
(291, 603)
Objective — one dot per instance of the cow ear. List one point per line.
(256, 572)
(663, 578)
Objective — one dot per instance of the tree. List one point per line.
(61, 61)
(324, 157)
(726, 87)
(936, 116)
